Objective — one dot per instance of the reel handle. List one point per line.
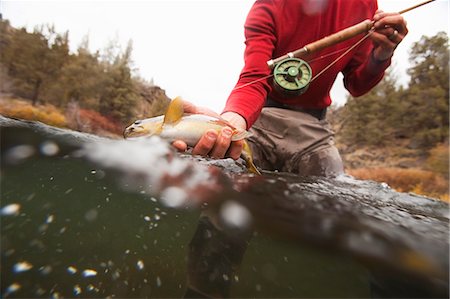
(327, 41)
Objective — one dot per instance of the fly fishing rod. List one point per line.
(292, 75)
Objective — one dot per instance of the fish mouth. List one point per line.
(134, 131)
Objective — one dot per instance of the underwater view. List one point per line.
(89, 217)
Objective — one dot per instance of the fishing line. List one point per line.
(293, 75)
(342, 55)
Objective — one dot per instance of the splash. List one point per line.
(152, 163)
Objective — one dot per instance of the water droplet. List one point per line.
(235, 215)
(22, 267)
(116, 275)
(225, 277)
(72, 270)
(140, 265)
(19, 153)
(173, 197)
(50, 219)
(158, 281)
(236, 278)
(91, 215)
(45, 270)
(12, 288)
(157, 217)
(90, 287)
(147, 218)
(40, 292)
(89, 273)
(49, 148)
(385, 186)
(11, 209)
(77, 290)
(153, 199)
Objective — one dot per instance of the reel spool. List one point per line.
(292, 76)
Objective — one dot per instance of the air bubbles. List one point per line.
(173, 197)
(89, 273)
(22, 267)
(49, 148)
(235, 215)
(91, 215)
(12, 288)
(46, 270)
(158, 282)
(72, 270)
(19, 153)
(11, 210)
(50, 219)
(100, 174)
(140, 265)
(77, 290)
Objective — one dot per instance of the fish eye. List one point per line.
(137, 122)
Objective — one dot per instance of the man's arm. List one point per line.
(244, 104)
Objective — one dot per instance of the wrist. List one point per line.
(235, 119)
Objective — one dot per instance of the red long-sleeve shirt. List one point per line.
(276, 27)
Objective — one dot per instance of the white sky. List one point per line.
(192, 49)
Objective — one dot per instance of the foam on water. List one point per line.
(151, 163)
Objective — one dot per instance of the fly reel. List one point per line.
(292, 76)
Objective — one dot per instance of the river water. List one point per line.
(83, 216)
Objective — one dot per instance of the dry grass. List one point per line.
(414, 180)
(93, 122)
(48, 114)
(77, 119)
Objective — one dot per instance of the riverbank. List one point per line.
(404, 170)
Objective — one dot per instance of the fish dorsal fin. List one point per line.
(174, 112)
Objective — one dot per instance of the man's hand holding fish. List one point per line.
(212, 143)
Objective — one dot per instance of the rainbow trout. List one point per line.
(177, 125)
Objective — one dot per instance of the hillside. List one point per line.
(392, 134)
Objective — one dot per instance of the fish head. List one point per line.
(144, 127)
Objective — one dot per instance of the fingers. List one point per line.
(181, 146)
(222, 143)
(235, 149)
(205, 144)
(390, 29)
(213, 144)
(218, 145)
(383, 20)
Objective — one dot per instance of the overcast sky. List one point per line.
(192, 49)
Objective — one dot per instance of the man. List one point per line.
(291, 133)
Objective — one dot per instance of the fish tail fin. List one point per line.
(248, 157)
